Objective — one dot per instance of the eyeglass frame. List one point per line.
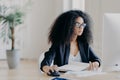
(83, 25)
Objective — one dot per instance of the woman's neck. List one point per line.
(74, 38)
(74, 46)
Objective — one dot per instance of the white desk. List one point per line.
(114, 75)
(107, 76)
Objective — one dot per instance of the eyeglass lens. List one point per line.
(77, 24)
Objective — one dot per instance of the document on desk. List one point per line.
(76, 66)
(85, 73)
(78, 69)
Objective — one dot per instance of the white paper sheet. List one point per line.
(76, 66)
(85, 73)
(78, 69)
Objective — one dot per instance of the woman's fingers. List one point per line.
(47, 69)
(93, 66)
(55, 67)
(90, 66)
(96, 65)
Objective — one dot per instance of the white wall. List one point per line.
(38, 21)
(96, 8)
(93, 8)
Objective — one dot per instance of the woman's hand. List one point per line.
(47, 69)
(93, 66)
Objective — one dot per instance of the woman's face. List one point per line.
(79, 26)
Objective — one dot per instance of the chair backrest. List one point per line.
(40, 60)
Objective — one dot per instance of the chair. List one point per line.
(40, 59)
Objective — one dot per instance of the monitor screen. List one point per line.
(111, 41)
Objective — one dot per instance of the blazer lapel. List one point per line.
(67, 51)
(82, 52)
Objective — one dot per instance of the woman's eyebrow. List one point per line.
(79, 23)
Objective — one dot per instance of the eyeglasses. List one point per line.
(77, 24)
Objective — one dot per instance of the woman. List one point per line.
(70, 36)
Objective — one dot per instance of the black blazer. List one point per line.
(59, 53)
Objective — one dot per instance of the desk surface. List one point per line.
(28, 70)
(106, 76)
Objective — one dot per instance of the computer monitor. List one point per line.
(111, 42)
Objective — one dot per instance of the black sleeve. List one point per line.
(49, 56)
(93, 57)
